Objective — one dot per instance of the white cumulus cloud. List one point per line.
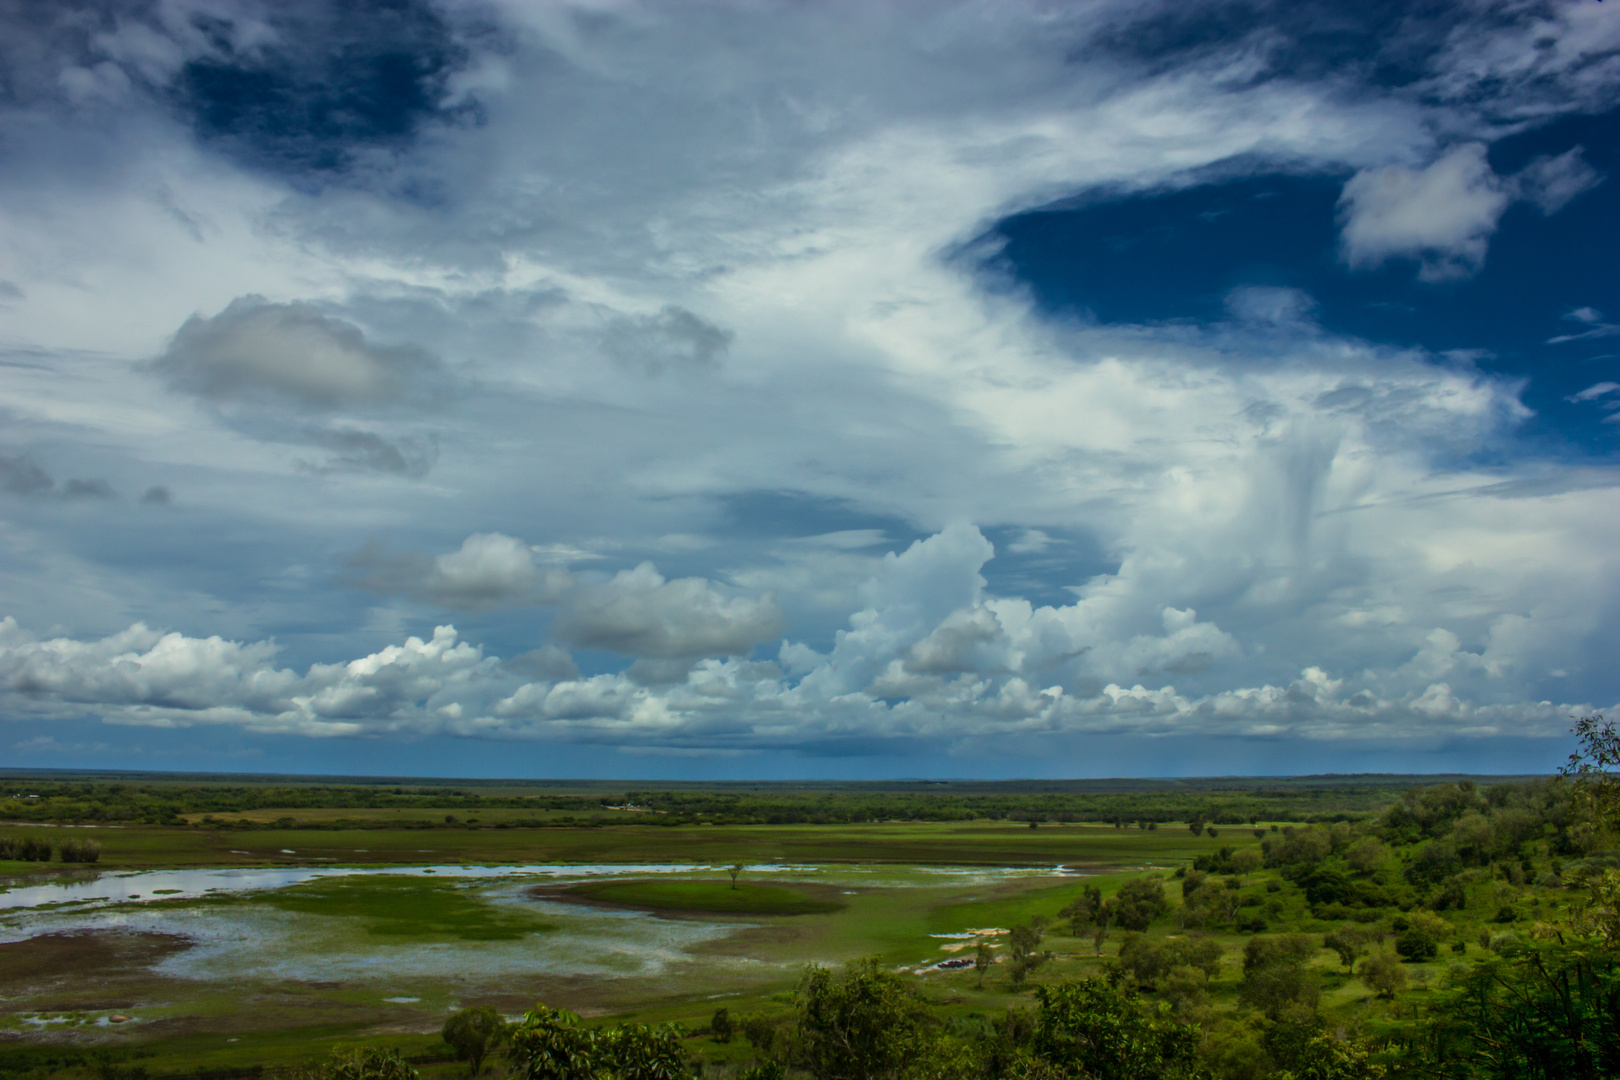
(1442, 215)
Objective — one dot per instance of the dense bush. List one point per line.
(27, 849)
(1329, 885)
(1147, 961)
(366, 1064)
(81, 851)
(1138, 902)
(1098, 1028)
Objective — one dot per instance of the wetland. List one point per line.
(260, 941)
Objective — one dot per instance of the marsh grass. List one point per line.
(402, 906)
(709, 897)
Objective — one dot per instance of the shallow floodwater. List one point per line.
(267, 945)
(122, 887)
(258, 942)
(248, 941)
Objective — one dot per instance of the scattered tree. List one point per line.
(859, 1024)
(1186, 988)
(1366, 855)
(639, 1052)
(473, 1033)
(549, 1044)
(1084, 908)
(1098, 1028)
(1023, 955)
(762, 1032)
(1275, 978)
(1383, 974)
(1421, 937)
(1138, 902)
(1348, 942)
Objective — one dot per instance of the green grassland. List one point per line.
(401, 906)
(976, 843)
(708, 897)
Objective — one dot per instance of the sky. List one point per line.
(736, 390)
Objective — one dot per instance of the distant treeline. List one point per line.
(172, 804)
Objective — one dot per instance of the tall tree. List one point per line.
(473, 1033)
(859, 1024)
(550, 1044)
(1098, 1028)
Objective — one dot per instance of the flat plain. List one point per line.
(239, 939)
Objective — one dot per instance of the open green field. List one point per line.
(406, 907)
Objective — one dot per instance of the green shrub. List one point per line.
(1138, 902)
(473, 1033)
(80, 851)
(366, 1064)
(1415, 945)
(28, 849)
(1099, 1028)
(861, 1022)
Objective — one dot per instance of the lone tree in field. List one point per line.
(1022, 955)
(982, 960)
(473, 1033)
(734, 869)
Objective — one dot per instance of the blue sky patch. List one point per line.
(358, 77)
(1537, 310)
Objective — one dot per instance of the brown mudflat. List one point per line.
(84, 953)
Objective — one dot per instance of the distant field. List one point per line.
(427, 817)
(922, 843)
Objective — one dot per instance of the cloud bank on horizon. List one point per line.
(979, 389)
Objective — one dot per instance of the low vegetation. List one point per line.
(35, 849)
(1452, 929)
(516, 805)
(712, 897)
(404, 906)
